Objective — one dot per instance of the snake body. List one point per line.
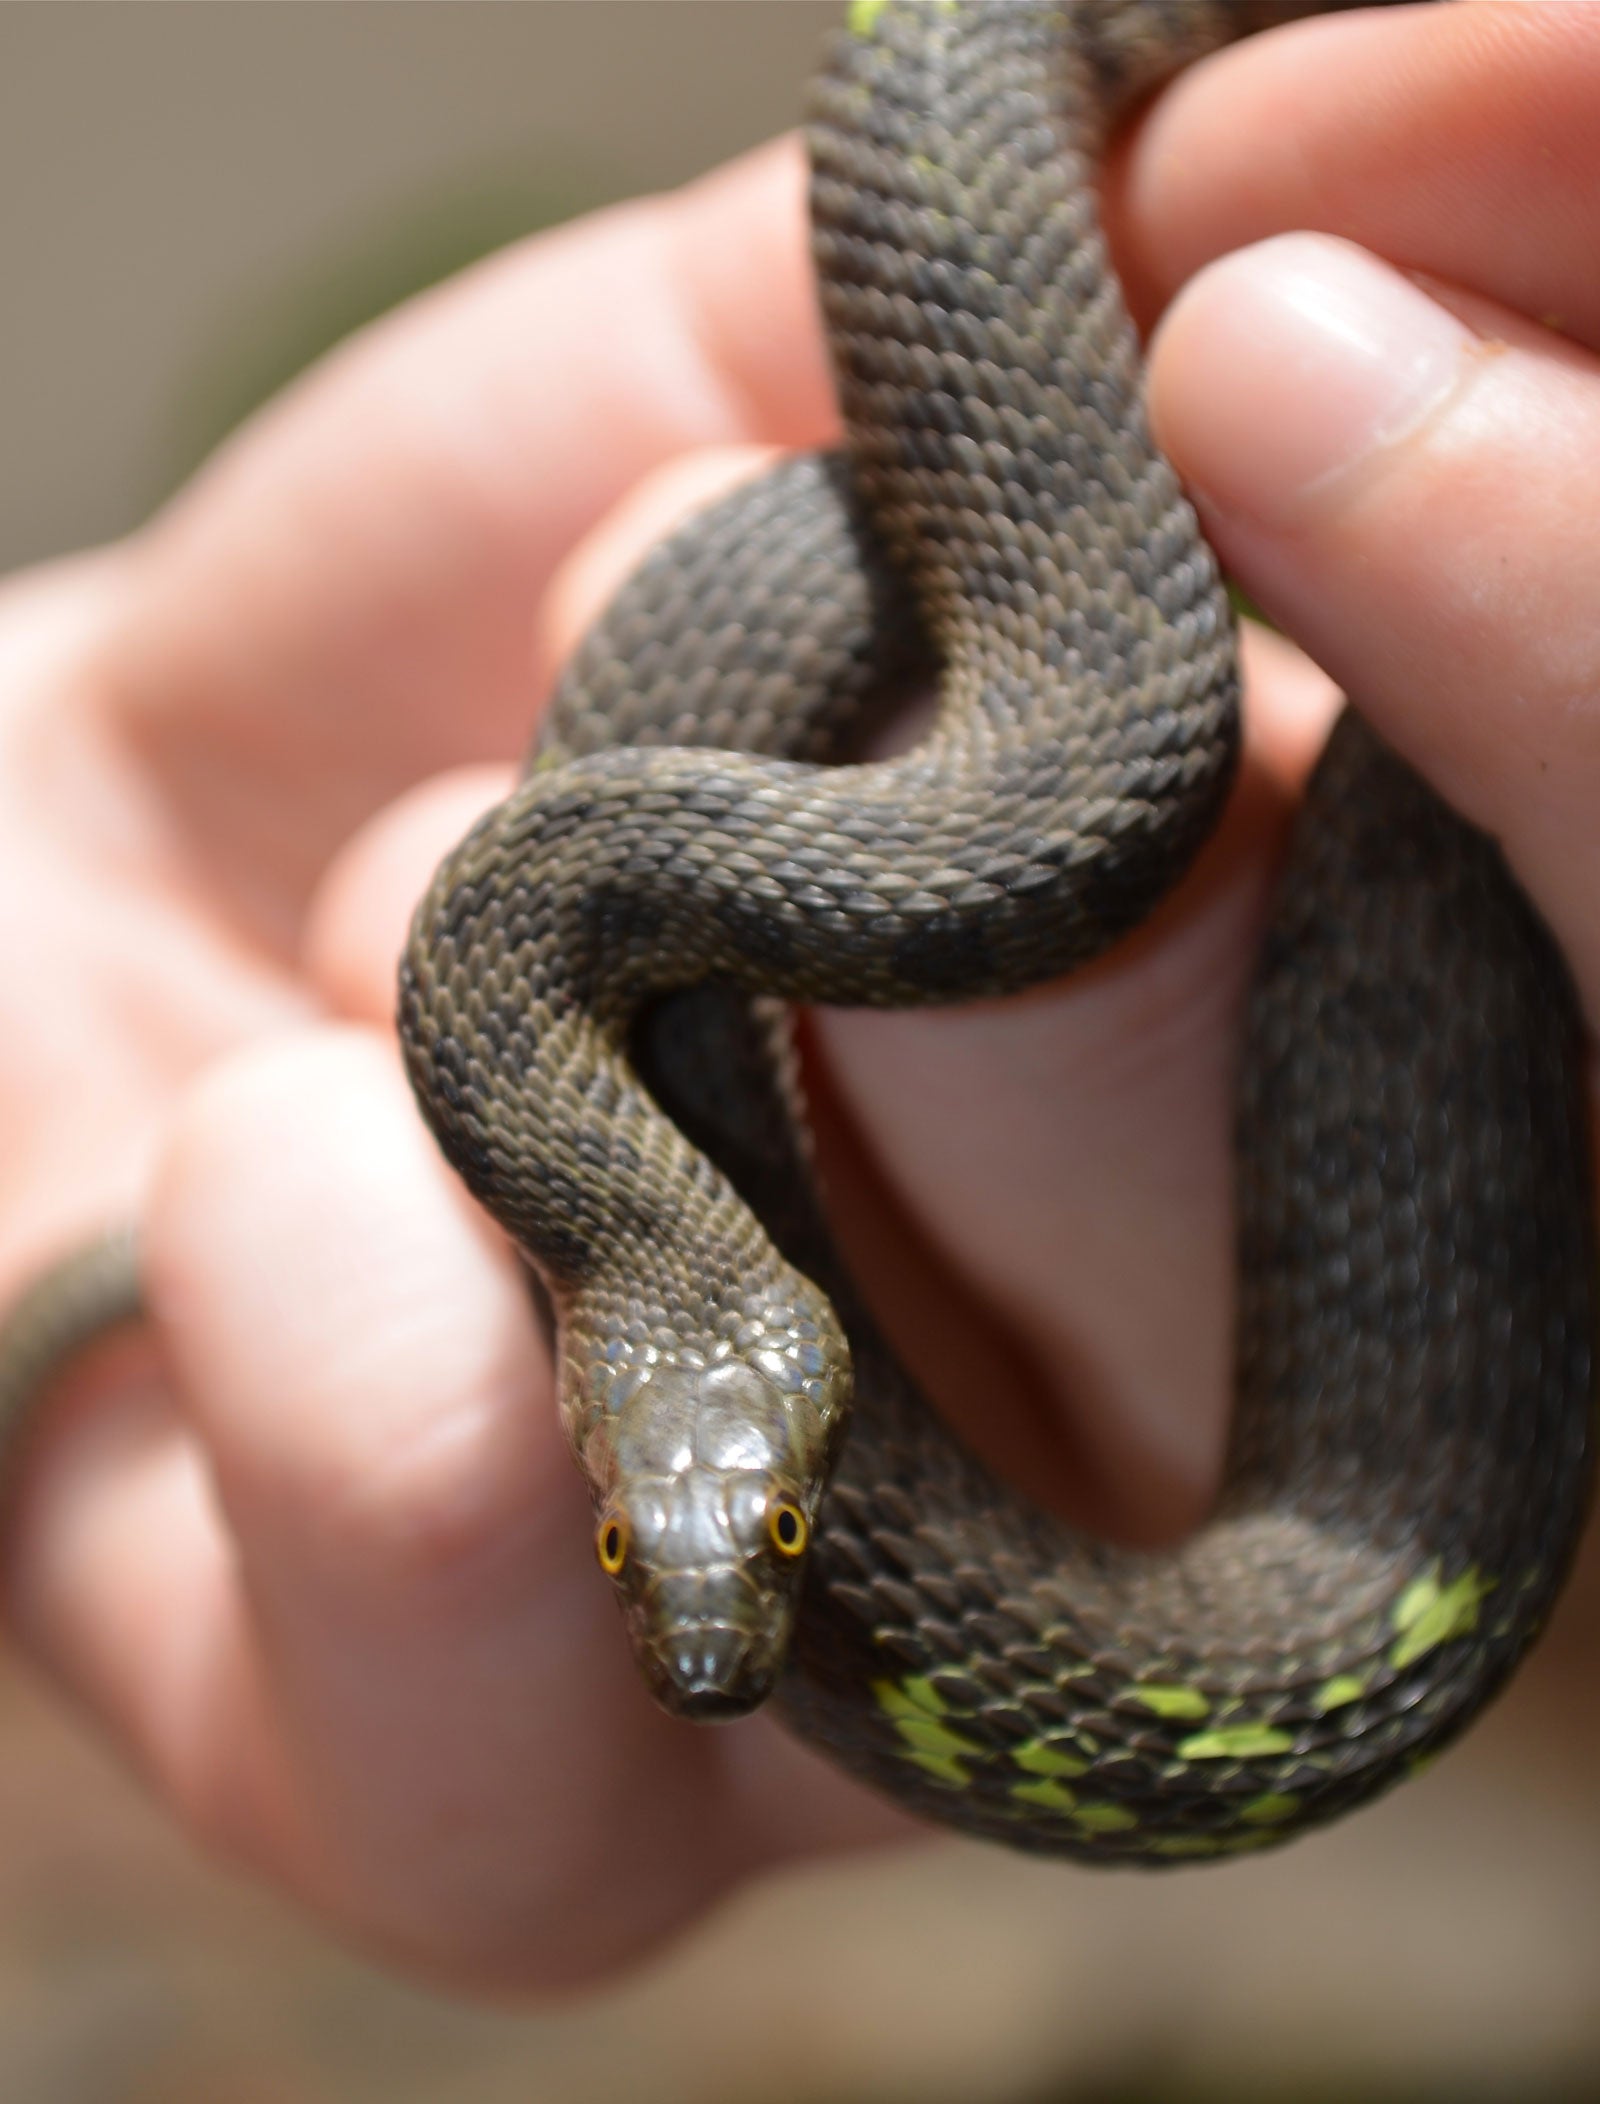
(1409, 1456)
(697, 840)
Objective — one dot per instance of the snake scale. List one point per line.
(698, 841)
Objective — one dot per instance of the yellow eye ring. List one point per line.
(786, 1524)
(611, 1544)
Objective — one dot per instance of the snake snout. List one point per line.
(713, 1674)
(711, 1645)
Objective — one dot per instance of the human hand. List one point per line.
(327, 1578)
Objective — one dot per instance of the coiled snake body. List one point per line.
(778, 1506)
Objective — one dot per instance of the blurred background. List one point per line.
(194, 201)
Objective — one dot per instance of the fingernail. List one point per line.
(1282, 368)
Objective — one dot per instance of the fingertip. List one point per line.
(770, 351)
(1454, 139)
(353, 1343)
(451, 454)
(1283, 370)
(654, 507)
(359, 916)
(1290, 706)
(1402, 481)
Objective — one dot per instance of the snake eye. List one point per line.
(611, 1545)
(786, 1523)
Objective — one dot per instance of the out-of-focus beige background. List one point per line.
(192, 199)
(191, 195)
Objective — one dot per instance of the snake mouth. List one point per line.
(711, 1672)
(708, 1705)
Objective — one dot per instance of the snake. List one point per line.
(596, 1005)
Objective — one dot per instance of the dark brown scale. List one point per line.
(1410, 1454)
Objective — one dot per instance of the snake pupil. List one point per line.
(788, 1529)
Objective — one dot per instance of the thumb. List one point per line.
(1405, 482)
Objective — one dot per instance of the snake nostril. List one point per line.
(713, 1672)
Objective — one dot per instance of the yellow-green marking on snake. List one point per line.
(589, 1012)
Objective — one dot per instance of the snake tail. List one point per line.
(74, 1302)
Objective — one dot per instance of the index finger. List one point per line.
(342, 602)
(1459, 141)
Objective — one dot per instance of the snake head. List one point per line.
(713, 1478)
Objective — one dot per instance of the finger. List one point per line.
(360, 914)
(362, 1370)
(656, 505)
(1413, 499)
(357, 921)
(484, 1785)
(121, 1585)
(1456, 140)
(342, 603)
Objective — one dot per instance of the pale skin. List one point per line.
(319, 1567)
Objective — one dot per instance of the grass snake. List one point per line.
(592, 1014)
